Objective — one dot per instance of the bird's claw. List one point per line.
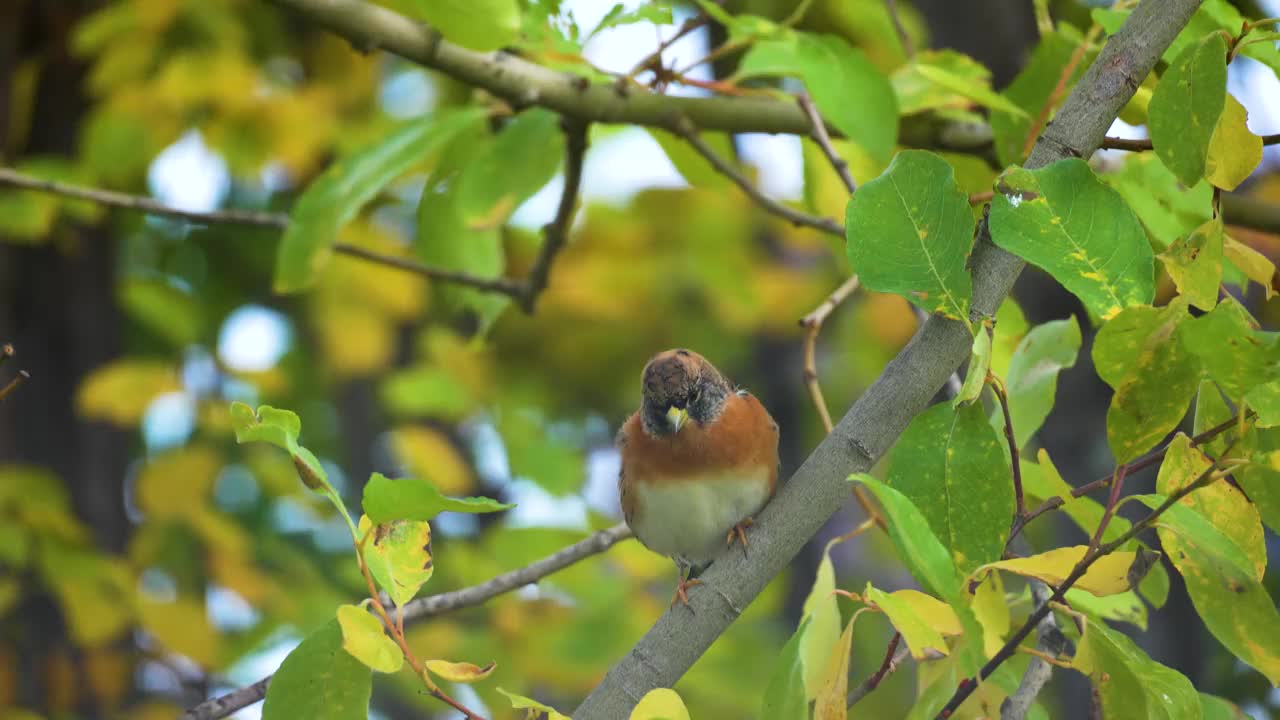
(739, 532)
(682, 591)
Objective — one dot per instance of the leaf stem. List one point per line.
(1020, 503)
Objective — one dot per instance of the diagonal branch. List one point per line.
(685, 129)
(904, 389)
(556, 233)
(596, 543)
(276, 221)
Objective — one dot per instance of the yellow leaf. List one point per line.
(354, 340)
(823, 614)
(120, 392)
(428, 454)
(95, 591)
(109, 672)
(463, 672)
(178, 482)
(1107, 576)
(1220, 503)
(181, 626)
(660, 704)
(1234, 152)
(364, 639)
(993, 613)
(831, 703)
(1252, 263)
(399, 556)
(908, 610)
(520, 702)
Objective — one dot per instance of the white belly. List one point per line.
(691, 519)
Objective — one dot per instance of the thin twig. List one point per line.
(979, 198)
(685, 129)
(1142, 463)
(595, 544)
(1117, 485)
(1020, 502)
(277, 221)
(556, 233)
(13, 384)
(892, 659)
(653, 61)
(820, 136)
(908, 47)
(812, 324)
(1141, 144)
(967, 685)
(1056, 96)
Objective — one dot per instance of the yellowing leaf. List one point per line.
(1234, 152)
(181, 626)
(1107, 576)
(364, 639)
(96, 592)
(823, 612)
(520, 702)
(354, 340)
(428, 454)
(660, 704)
(463, 672)
(399, 556)
(178, 482)
(920, 618)
(1256, 266)
(120, 391)
(993, 613)
(831, 702)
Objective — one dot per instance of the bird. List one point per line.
(699, 461)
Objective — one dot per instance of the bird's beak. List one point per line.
(677, 417)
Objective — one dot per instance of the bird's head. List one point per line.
(680, 386)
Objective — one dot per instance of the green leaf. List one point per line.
(363, 637)
(920, 633)
(785, 697)
(320, 680)
(446, 239)
(822, 617)
(1186, 106)
(1011, 328)
(951, 464)
(281, 428)
(1252, 264)
(1032, 380)
(657, 12)
(910, 232)
(1130, 684)
(399, 556)
(691, 165)
(340, 191)
(520, 702)
(386, 500)
(1031, 90)
(1167, 210)
(979, 364)
(1220, 503)
(1042, 481)
(1215, 708)
(1223, 586)
(1139, 354)
(1261, 478)
(1101, 255)
(852, 94)
(473, 24)
(1195, 264)
(523, 158)
(946, 79)
(1234, 152)
(1237, 356)
(1120, 607)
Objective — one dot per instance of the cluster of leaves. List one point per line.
(951, 490)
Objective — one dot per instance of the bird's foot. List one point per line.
(682, 590)
(739, 532)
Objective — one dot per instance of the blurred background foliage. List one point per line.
(146, 561)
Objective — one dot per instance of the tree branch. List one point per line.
(596, 543)
(556, 233)
(1050, 641)
(818, 488)
(1141, 145)
(685, 129)
(276, 221)
(819, 133)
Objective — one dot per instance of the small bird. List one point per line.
(699, 459)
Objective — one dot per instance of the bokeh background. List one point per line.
(148, 562)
